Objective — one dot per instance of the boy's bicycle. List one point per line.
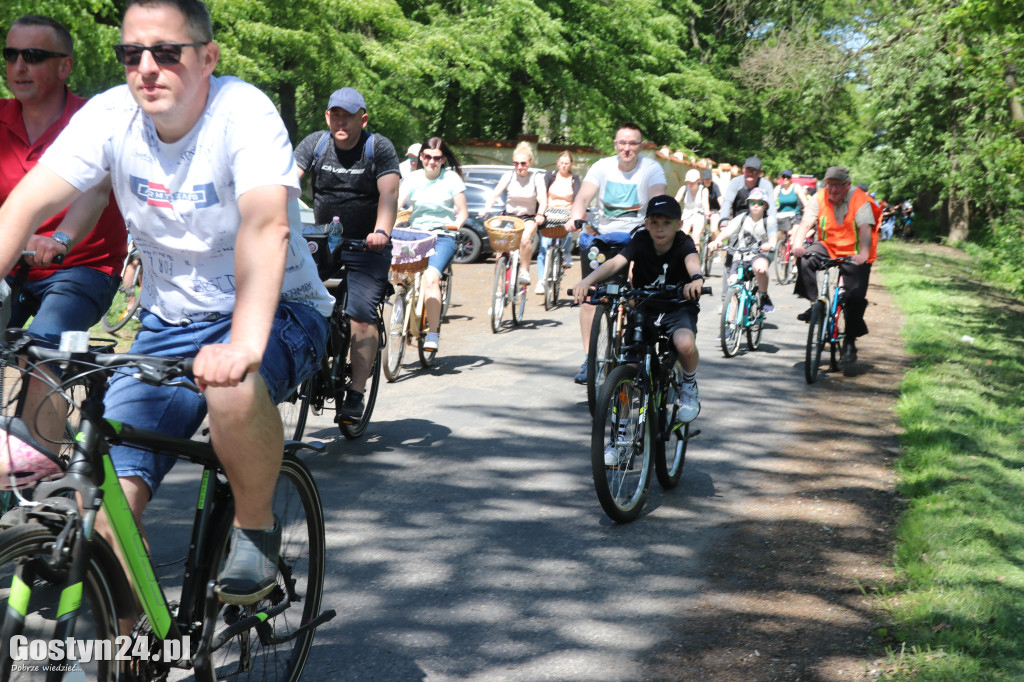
(741, 309)
(408, 320)
(328, 384)
(828, 320)
(59, 578)
(635, 416)
(505, 232)
(605, 340)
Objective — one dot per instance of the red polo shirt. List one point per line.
(106, 246)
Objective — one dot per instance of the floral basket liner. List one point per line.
(409, 246)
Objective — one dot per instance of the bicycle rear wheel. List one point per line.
(755, 322)
(552, 275)
(298, 509)
(815, 339)
(447, 279)
(499, 291)
(837, 333)
(603, 352)
(518, 292)
(295, 408)
(122, 308)
(25, 554)
(732, 317)
(395, 344)
(621, 430)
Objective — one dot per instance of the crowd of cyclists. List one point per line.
(201, 171)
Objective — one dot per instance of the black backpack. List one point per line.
(321, 147)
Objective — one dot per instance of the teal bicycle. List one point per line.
(741, 309)
(59, 579)
(828, 320)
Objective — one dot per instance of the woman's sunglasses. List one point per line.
(31, 55)
(164, 54)
(520, 164)
(433, 157)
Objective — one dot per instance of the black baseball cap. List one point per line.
(665, 205)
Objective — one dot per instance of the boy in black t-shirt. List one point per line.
(662, 248)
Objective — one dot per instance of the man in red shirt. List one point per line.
(847, 221)
(72, 296)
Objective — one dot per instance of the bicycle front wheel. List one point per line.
(552, 276)
(124, 306)
(620, 445)
(353, 430)
(669, 456)
(33, 590)
(395, 345)
(256, 654)
(755, 322)
(780, 266)
(836, 334)
(732, 317)
(815, 340)
(499, 291)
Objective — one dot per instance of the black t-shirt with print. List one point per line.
(345, 181)
(648, 265)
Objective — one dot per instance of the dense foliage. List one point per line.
(920, 97)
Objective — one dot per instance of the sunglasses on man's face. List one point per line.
(164, 54)
(31, 55)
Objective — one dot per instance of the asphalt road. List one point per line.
(465, 541)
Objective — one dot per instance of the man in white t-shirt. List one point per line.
(622, 185)
(202, 169)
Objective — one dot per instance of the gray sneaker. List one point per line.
(250, 572)
(689, 402)
(581, 376)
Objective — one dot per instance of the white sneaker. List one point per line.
(610, 458)
(430, 343)
(540, 289)
(524, 276)
(689, 402)
(567, 262)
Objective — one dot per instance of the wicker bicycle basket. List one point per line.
(411, 250)
(554, 232)
(505, 232)
(402, 217)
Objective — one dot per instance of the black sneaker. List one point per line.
(581, 376)
(352, 408)
(766, 303)
(849, 352)
(805, 316)
(250, 572)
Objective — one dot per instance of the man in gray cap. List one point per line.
(847, 222)
(355, 176)
(735, 200)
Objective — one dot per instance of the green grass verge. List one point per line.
(957, 611)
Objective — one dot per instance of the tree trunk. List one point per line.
(959, 215)
(286, 95)
(1016, 111)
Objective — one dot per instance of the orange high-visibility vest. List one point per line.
(843, 239)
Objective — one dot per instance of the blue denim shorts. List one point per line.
(73, 299)
(296, 346)
(367, 278)
(444, 253)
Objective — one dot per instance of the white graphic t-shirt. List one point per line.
(623, 197)
(180, 200)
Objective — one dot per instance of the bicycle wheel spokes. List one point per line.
(297, 508)
(25, 550)
(621, 447)
(295, 408)
(729, 329)
(358, 428)
(518, 293)
(395, 345)
(122, 308)
(837, 334)
(551, 282)
(499, 291)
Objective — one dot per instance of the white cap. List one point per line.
(414, 149)
(693, 175)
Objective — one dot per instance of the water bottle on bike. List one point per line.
(334, 234)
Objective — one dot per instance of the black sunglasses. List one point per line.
(31, 55)
(164, 54)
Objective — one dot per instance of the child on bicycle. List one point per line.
(753, 228)
(662, 252)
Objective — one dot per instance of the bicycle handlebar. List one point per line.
(151, 369)
(671, 292)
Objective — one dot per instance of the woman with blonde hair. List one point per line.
(526, 199)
